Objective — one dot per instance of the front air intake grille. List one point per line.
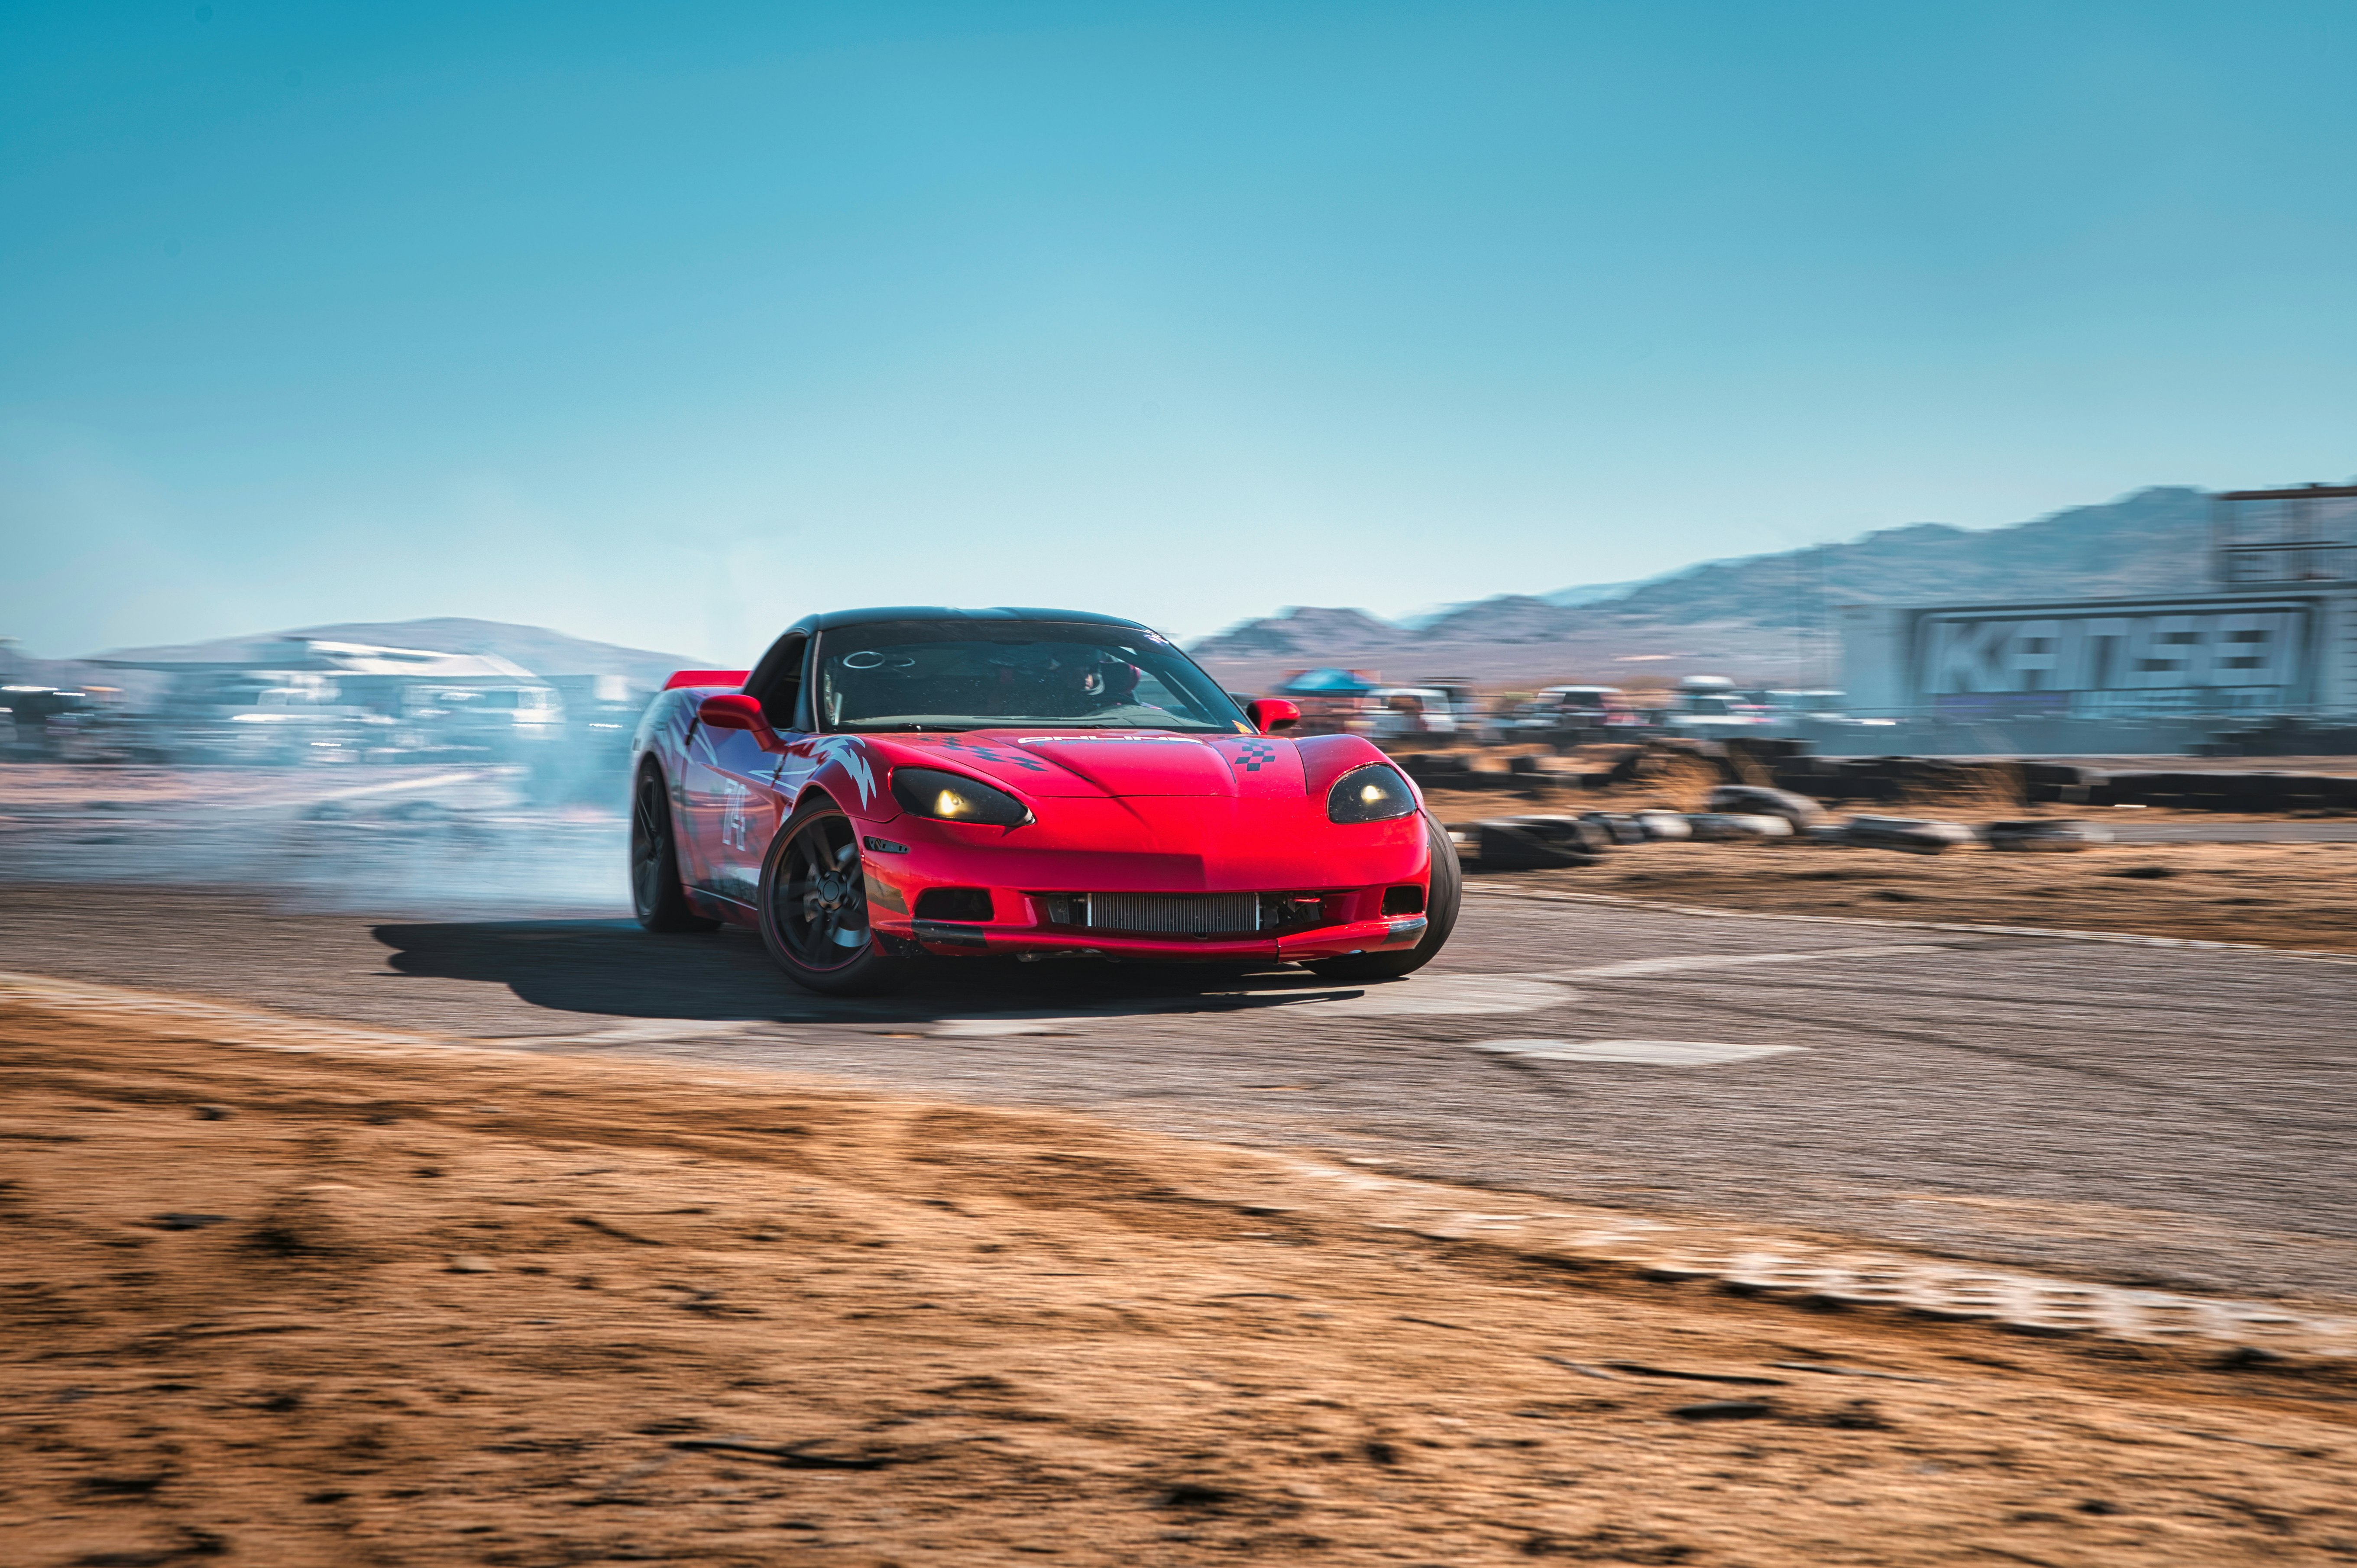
(1169, 914)
(954, 904)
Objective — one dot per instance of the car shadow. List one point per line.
(611, 967)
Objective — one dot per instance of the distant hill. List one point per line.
(1760, 617)
(1300, 632)
(1588, 593)
(2156, 540)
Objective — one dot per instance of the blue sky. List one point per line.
(669, 324)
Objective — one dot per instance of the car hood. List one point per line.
(1120, 764)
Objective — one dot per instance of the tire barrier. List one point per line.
(1538, 844)
(1897, 779)
(1737, 827)
(1546, 842)
(2055, 834)
(1454, 770)
(2059, 783)
(2255, 792)
(1618, 826)
(1912, 835)
(1759, 799)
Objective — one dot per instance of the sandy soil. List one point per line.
(345, 1301)
(2288, 896)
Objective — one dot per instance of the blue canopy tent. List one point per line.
(1327, 682)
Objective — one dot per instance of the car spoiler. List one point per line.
(731, 679)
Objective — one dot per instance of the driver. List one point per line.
(1059, 681)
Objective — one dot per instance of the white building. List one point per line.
(2278, 635)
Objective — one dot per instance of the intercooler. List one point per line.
(1168, 914)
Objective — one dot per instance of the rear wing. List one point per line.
(732, 679)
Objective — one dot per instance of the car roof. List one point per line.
(827, 620)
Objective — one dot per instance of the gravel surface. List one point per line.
(359, 1302)
(2285, 895)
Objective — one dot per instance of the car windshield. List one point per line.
(952, 675)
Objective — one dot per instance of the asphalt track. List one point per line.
(2170, 1116)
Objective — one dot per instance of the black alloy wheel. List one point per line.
(657, 896)
(814, 906)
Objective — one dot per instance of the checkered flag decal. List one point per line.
(1251, 754)
(990, 753)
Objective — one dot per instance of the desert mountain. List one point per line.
(1760, 617)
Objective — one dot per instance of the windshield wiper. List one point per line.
(1173, 729)
(879, 727)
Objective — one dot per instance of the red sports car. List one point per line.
(890, 786)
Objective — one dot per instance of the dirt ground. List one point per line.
(352, 1300)
(2286, 896)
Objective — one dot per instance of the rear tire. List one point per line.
(1440, 900)
(657, 896)
(815, 906)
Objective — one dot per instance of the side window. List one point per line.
(778, 683)
(800, 707)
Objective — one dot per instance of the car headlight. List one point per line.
(1375, 793)
(954, 797)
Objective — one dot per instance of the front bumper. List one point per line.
(1335, 877)
(946, 939)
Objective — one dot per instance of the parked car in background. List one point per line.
(1708, 705)
(1797, 711)
(37, 719)
(1570, 715)
(1389, 712)
(509, 721)
(1458, 698)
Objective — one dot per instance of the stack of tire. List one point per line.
(2047, 834)
(1910, 836)
(1539, 844)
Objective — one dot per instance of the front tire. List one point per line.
(657, 896)
(1441, 898)
(814, 910)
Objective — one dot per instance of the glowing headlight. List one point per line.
(954, 797)
(1375, 793)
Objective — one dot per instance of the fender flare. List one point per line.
(849, 777)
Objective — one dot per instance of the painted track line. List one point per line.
(1639, 967)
